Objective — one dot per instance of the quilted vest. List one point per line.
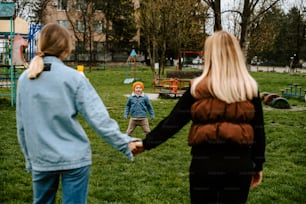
(215, 120)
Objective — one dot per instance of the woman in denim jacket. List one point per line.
(50, 96)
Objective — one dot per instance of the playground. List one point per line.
(17, 48)
(160, 175)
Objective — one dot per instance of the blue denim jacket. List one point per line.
(138, 106)
(47, 110)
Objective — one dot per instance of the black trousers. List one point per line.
(220, 176)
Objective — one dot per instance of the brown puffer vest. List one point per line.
(215, 120)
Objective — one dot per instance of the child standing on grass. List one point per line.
(138, 106)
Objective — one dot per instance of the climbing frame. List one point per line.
(7, 77)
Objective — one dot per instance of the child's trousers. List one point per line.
(134, 122)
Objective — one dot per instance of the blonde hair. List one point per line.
(225, 70)
(54, 40)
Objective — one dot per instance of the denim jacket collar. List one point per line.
(134, 94)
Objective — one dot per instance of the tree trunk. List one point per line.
(215, 5)
(150, 53)
(245, 20)
(163, 58)
(217, 15)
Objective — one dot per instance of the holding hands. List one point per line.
(136, 147)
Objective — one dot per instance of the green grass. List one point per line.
(161, 175)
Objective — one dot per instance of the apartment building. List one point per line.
(88, 27)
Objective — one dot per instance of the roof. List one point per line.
(7, 10)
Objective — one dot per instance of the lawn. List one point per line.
(160, 176)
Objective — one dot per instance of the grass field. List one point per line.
(160, 176)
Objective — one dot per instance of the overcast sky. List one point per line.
(228, 18)
(286, 4)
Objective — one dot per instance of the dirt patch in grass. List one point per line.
(152, 96)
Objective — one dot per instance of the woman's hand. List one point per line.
(256, 179)
(136, 147)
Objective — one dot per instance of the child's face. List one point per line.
(138, 89)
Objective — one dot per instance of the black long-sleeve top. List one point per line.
(181, 115)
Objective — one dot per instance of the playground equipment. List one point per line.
(7, 35)
(170, 88)
(131, 61)
(175, 83)
(294, 90)
(13, 34)
(18, 45)
(274, 100)
(80, 69)
(129, 80)
(33, 31)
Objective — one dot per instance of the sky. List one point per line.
(285, 4)
(229, 19)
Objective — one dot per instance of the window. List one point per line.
(99, 46)
(80, 47)
(80, 27)
(98, 26)
(64, 23)
(99, 4)
(62, 4)
(80, 5)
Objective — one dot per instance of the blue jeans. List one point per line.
(74, 185)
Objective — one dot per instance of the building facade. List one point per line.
(89, 29)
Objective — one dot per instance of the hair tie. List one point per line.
(40, 54)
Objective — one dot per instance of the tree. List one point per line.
(120, 25)
(295, 35)
(215, 5)
(81, 16)
(149, 23)
(115, 18)
(170, 25)
(252, 10)
(22, 9)
(32, 11)
(39, 11)
(278, 37)
(264, 37)
(190, 28)
(249, 16)
(290, 42)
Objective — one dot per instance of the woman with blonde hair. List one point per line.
(227, 135)
(50, 96)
